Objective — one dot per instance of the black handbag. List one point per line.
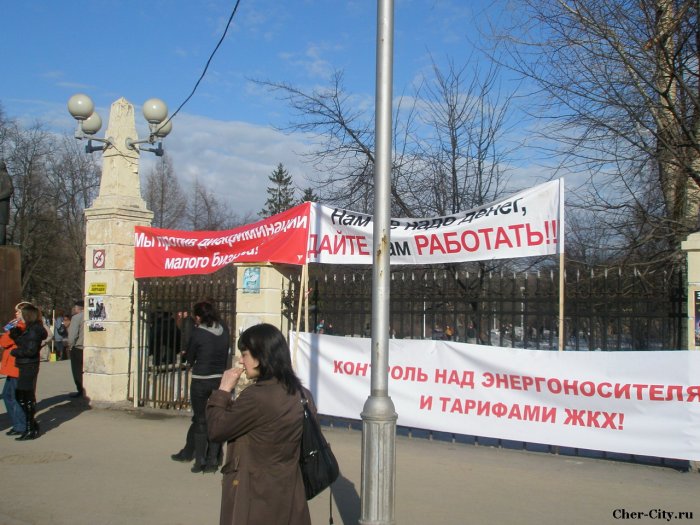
(319, 468)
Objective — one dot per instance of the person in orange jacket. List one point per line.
(9, 369)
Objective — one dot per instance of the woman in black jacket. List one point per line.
(27, 360)
(207, 353)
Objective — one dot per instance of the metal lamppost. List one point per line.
(378, 414)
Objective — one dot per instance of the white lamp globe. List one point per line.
(155, 110)
(80, 106)
(163, 130)
(92, 124)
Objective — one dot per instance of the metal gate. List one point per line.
(162, 380)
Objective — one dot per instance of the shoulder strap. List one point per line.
(305, 403)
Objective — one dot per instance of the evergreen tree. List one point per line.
(309, 196)
(280, 192)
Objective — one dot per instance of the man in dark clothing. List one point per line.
(75, 340)
(185, 324)
(164, 338)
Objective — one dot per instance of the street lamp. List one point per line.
(155, 111)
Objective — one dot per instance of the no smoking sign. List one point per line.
(98, 259)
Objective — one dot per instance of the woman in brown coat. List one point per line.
(262, 482)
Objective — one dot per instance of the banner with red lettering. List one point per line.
(645, 403)
(525, 224)
(281, 238)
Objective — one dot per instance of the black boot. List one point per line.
(200, 452)
(212, 457)
(79, 393)
(187, 453)
(29, 408)
(182, 456)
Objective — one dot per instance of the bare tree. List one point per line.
(54, 182)
(164, 196)
(4, 131)
(450, 145)
(206, 212)
(343, 137)
(448, 142)
(29, 156)
(74, 179)
(464, 155)
(197, 209)
(618, 80)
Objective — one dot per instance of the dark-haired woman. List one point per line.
(26, 356)
(262, 482)
(207, 352)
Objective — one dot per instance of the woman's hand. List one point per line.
(230, 379)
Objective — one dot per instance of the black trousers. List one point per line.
(26, 393)
(28, 374)
(205, 451)
(76, 366)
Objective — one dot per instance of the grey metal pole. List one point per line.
(378, 415)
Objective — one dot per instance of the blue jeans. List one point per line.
(19, 422)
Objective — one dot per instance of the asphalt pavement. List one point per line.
(111, 465)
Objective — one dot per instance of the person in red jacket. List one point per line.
(9, 369)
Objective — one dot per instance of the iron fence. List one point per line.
(604, 309)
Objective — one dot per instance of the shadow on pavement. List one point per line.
(56, 410)
(347, 499)
(51, 412)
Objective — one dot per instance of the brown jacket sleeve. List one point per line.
(228, 419)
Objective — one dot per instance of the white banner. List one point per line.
(645, 403)
(526, 224)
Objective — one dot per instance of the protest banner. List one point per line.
(526, 224)
(278, 239)
(645, 403)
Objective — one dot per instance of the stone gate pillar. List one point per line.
(259, 293)
(109, 263)
(692, 248)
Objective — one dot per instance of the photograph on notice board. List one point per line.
(97, 313)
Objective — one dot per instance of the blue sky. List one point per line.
(225, 135)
